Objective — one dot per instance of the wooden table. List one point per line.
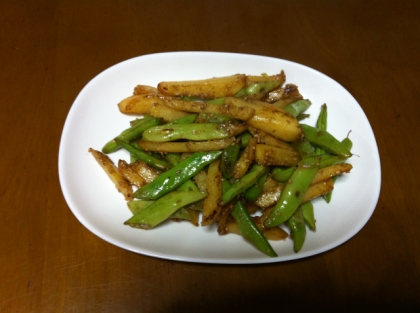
(49, 50)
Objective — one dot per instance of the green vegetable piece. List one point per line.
(297, 107)
(261, 88)
(325, 140)
(283, 175)
(176, 176)
(298, 228)
(214, 118)
(302, 116)
(304, 148)
(243, 139)
(139, 154)
(173, 158)
(189, 119)
(229, 158)
(308, 214)
(244, 183)
(293, 192)
(253, 192)
(195, 132)
(349, 144)
(225, 185)
(321, 123)
(163, 208)
(138, 205)
(131, 133)
(250, 230)
(189, 185)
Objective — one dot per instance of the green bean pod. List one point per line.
(283, 175)
(176, 176)
(229, 158)
(139, 154)
(131, 133)
(325, 140)
(259, 89)
(321, 123)
(293, 192)
(250, 230)
(304, 148)
(298, 228)
(308, 214)
(297, 107)
(253, 192)
(194, 132)
(189, 119)
(244, 183)
(349, 144)
(163, 208)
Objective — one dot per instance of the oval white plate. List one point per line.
(94, 119)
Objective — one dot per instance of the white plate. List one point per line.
(94, 119)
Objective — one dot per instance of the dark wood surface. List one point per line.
(50, 49)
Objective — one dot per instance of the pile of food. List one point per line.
(231, 151)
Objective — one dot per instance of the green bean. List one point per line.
(325, 140)
(297, 107)
(243, 138)
(250, 230)
(308, 214)
(225, 185)
(293, 192)
(189, 119)
(321, 123)
(304, 148)
(261, 88)
(244, 183)
(131, 133)
(213, 118)
(298, 228)
(229, 158)
(283, 175)
(139, 154)
(302, 116)
(173, 158)
(176, 176)
(163, 208)
(349, 144)
(195, 132)
(253, 192)
(138, 205)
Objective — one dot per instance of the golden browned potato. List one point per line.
(139, 104)
(270, 119)
(205, 89)
(211, 206)
(147, 172)
(144, 89)
(284, 96)
(230, 109)
(270, 155)
(267, 139)
(245, 160)
(168, 114)
(111, 170)
(331, 171)
(128, 173)
(281, 78)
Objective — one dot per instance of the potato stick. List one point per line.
(271, 197)
(168, 114)
(211, 206)
(331, 171)
(147, 172)
(139, 104)
(224, 218)
(205, 89)
(284, 96)
(201, 181)
(122, 184)
(186, 146)
(266, 78)
(267, 139)
(245, 160)
(128, 173)
(271, 120)
(235, 111)
(144, 89)
(270, 155)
